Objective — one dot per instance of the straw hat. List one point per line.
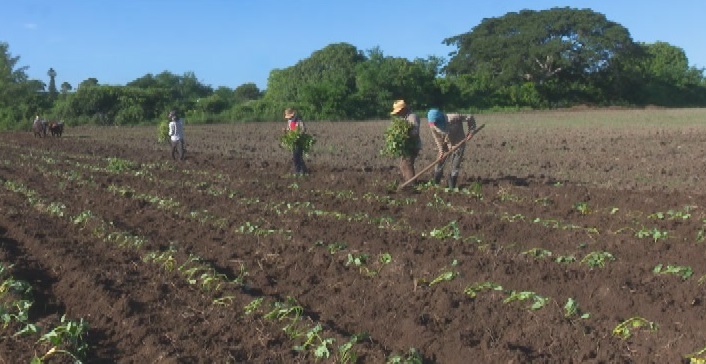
(289, 113)
(398, 106)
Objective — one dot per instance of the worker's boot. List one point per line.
(452, 181)
(438, 174)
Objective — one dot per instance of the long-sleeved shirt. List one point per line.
(413, 119)
(176, 130)
(454, 133)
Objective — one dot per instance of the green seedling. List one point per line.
(473, 290)
(358, 260)
(68, 339)
(282, 310)
(537, 253)
(224, 301)
(253, 306)
(582, 207)
(565, 259)
(345, 353)
(624, 329)
(475, 190)
(654, 233)
(449, 231)
(412, 357)
(684, 272)
(597, 259)
(445, 276)
(698, 357)
(335, 247)
(119, 165)
(319, 345)
(571, 308)
(537, 300)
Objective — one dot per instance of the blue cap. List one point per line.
(436, 117)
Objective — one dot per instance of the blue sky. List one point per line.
(231, 42)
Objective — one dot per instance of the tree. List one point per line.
(89, 82)
(380, 80)
(320, 85)
(66, 88)
(246, 92)
(572, 48)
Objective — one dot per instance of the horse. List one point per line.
(39, 128)
(56, 128)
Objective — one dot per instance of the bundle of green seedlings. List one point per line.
(292, 139)
(398, 142)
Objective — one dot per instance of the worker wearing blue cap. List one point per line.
(447, 130)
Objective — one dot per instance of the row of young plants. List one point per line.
(64, 339)
(449, 231)
(168, 261)
(204, 216)
(118, 165)
(308, 335)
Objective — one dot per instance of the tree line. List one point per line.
(528, 59)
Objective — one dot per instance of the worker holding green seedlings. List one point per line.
(402, 138)
(447, 130)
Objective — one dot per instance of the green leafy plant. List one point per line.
(582, 207)
(412, 357)
(291, 139)
(597, 259)
(624, 329)
(571, 308)
(473, 290)
(451, 230)
(398, 142)
(684, 272)
(67, 338)
(697, 357)
(253, 306)
(318, 344)
(537, 253)
(653, 233)
(116, 164)
(565, 259)
(345, 351)
(163, 132)
(537, 300)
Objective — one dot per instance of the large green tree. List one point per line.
(320, 85)
(556, 50)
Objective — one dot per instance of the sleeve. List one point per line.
(172, 128)
(471, 123)
(413, 119)
(439, 137)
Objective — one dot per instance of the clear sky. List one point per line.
(232, 42)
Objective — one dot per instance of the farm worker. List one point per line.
(176, 134)
(400, 109)
(447, 130)
(294, 122)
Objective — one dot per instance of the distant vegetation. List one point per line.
(525, 60)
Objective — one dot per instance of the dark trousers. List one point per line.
(298, 159)
(178, 149)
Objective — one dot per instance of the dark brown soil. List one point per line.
(535, 205)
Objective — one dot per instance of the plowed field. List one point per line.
(574, 237)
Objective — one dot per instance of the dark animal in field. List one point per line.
(56, 128)
(39, 128)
